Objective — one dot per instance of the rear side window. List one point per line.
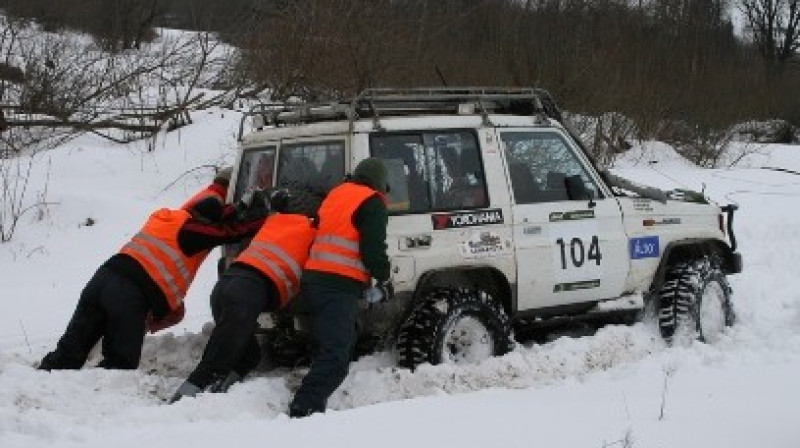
(432, 171)
(313, 166)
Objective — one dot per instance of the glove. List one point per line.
(247, 199)
(172, 318)
(379, 293)
(251, 205)
(250, 197)
(279, 201)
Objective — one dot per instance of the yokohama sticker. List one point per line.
(467, 219)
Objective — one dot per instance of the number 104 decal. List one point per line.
(575, 252)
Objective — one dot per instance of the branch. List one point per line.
(171, 184)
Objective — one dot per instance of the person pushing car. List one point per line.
(143, 286)
(348, 250)
(264, 277)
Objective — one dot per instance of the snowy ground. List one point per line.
(620, 387)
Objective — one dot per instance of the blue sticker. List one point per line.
(644, 247)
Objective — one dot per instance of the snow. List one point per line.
(618, 387)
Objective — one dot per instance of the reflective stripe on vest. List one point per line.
(317, 254)
(338, 241)
(176, 258)
(279, 249)
(163, 272)
(336, 248)
(157, 250)
(261, 247)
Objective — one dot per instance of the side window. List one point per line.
(404, 156)
(313, 166)
(543, 168)
(256, 169)
(432, 171)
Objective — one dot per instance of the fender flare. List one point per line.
(471, 277)
(731, 261)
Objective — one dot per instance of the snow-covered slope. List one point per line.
(619, 387)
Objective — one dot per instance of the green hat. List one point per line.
(372, 172)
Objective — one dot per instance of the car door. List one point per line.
(439, 202)
(567, 230)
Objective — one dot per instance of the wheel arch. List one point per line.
(693, 248)
(487, 278)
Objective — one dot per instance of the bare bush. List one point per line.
(72, 84)
(15, 176)
(69, 85)
(769, 131)
(702, 146)
(606, 136)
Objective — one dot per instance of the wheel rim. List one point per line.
(712, 312)
(467, 341)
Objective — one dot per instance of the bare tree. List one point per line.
(774, 26)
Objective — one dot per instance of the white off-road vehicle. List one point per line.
(499, 222)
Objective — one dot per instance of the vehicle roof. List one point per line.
(394, 109)
(395, 124)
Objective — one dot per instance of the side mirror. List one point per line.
(576, 189)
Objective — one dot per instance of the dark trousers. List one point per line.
(236, 301)
(110, 307)
(334, 326)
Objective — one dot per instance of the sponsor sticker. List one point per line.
(642, 205)
(458, 220)
(571, 216)
(649, 222)
(484, 245)
(532, 230)
(576, 286)
(490, 147)
(644, 247)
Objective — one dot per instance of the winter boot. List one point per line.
(300, 411)
(187, 389)
(222, 384)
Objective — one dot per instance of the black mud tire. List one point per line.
(438, 328)
(694, 303)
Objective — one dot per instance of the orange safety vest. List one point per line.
(156, 248)
(336, 247)
(279, 250)
(215, 191)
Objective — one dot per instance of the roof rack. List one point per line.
(393, 102)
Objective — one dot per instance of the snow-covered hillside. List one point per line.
(619, 387)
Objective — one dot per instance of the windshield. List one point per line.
(311, 166)
(314, 167)
(256, 170)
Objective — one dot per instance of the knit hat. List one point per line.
(223, 176)
(372, 172)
